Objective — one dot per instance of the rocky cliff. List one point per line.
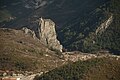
(47, 34)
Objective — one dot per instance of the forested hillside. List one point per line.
(96, 69)
(110, 39)
(82, 36)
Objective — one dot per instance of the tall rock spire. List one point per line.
(47, 34)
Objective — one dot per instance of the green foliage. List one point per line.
(61, 74)
(110, 39)
(86, 69)
(84, 38)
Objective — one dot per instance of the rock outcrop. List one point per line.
(29, 32)
(104, 25)
(47, 34)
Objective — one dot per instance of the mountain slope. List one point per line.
(76, 21)
(83, 36)
(95, 69)
(110, 39)
(21, 51)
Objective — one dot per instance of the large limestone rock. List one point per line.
(47, 34)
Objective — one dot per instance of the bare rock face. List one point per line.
(47, 34)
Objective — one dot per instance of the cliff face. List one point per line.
(47, 34)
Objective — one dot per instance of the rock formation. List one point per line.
(104, 25)
(28, 31)
(47, 34)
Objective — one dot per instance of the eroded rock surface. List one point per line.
(47, 34)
